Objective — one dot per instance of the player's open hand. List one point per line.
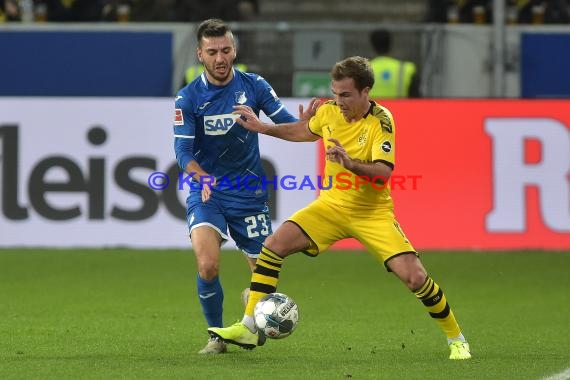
(311, 110)
(248, 119)
(337, 153)
(207, 187)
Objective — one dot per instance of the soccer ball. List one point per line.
(276, 315)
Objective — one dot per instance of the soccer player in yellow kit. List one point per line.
(359, 138)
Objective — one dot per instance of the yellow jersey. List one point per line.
(370, 139)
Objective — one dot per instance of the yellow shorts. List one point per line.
(326, 223)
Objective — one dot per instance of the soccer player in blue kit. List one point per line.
(223, 159)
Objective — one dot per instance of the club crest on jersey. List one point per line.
(178, 117)
(240, 97)
(215, 125)
(362, 138)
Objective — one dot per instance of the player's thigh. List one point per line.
(208, 228)
(289, 238)
(249, 225)
(323, 223)
(382, 236)
(206, 214)
(206, 246)
(205, 238)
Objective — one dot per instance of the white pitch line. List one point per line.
(564, 375)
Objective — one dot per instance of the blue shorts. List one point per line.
(248, 223)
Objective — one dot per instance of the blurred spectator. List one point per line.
(9, 10)
(460, 11)
(155, 10)
(557, 12)
(116, 10)
(192, 10)
(144, 10)
(393, 78)
(227, 10)
(248, 10)
(72, 10)
(480, 11)
(541, 11)
(133, 10)
(475, 11)
(437, 11)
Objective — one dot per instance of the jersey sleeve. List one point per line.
(384, 143)
(316, 122)
(270, 103)
(184, 126)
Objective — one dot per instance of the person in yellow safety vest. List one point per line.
(195, 71)
(393, 78)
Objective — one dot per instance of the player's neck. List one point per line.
(220, 83)
(361, 113)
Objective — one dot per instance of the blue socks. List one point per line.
(211, 297)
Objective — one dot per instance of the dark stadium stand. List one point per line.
(360, 10)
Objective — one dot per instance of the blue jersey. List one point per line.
(205, 130)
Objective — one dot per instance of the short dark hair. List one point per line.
(212, 27)
(357, 68)
(381, 40)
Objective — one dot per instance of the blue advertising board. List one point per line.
(86, 63)
(545, 65)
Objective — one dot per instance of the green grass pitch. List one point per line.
(127, 314)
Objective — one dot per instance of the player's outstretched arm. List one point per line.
(297, 131)
(311, 110)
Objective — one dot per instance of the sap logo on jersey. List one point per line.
(219, 124)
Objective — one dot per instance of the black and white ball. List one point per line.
(276, 315)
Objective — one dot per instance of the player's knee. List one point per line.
(288, 239)
(272, 244)
(416, 279)
(413, 278)
(208, 272)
